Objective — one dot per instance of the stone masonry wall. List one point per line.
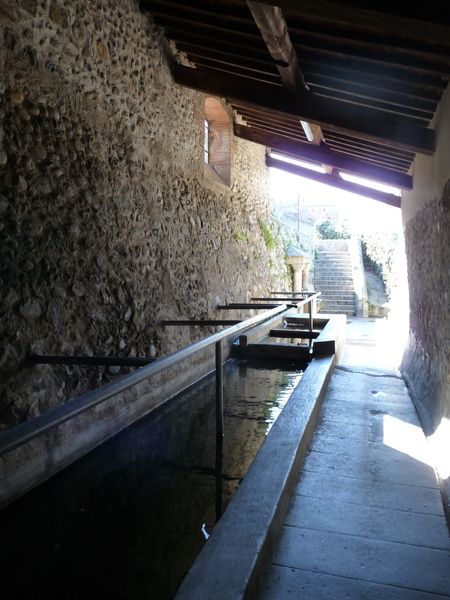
(107, 223)
(426, 363)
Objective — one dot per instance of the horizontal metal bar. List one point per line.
(116, 361)
(294, 333)
(20, 434)
(296, 301)
(204, 322)
(291, 300)
(234, 306)
(291, 293)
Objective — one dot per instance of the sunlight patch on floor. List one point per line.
(407, 439)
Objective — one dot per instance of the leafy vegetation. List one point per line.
(378, 250)
(240, 236)
(268, 236)
(327, 231)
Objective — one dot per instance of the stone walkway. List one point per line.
(366, 518)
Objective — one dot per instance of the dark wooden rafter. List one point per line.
(364, 123)
(322, 155)
(381, 161)
(195, 52)
(372, 103)
(273, 28)
(416, 85)
(434, 65)
(397, 97)
(355, 18)
(270, 128)
(385, 77)
(239, 71)
(223, 25)
(412, 49)
(334, 181)
(360, 144)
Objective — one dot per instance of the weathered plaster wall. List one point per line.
(107, 222)
(426, 363)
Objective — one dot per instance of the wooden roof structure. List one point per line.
(354, 89)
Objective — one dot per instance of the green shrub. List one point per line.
(240, 236)
(268, 236)
(327, 231)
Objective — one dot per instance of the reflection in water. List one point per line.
(127, 521)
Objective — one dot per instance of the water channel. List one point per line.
(127, 521)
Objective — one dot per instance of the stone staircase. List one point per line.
(333, 276)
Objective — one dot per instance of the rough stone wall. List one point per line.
(108, 224)
(426, 363)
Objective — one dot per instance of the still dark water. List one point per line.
(126, 521)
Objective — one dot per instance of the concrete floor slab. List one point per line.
(365, 492)
(284, 583)
(366, 518)
(367, 521)
(375, 467)
(377, 561)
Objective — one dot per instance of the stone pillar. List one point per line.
(306, 270)
(301, 265)
(296, 263)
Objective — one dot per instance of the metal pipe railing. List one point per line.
(25, 432)
(219, 428)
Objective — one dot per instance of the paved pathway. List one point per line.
(366, 519)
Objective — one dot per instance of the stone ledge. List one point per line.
(231, 564)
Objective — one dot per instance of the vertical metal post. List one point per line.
(219, 428)
(311, 317)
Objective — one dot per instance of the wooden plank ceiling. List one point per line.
(368, 79)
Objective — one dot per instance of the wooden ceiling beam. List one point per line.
(278, 130)
(321, 155)
(216, 31)
(334, 115)
(366, 60)
(396, 56)
(273, 29)
(219, 43)
(422, 50)
(366, 90)
(239, 71)
(342, 96)
(334, 181)
(270, 22)
(245, 111)
(355, 142)
(228, 58)
(199, 10)
(254, 48)
(384, 161)
(354, 18)
(424, 86)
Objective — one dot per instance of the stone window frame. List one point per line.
(217, 141)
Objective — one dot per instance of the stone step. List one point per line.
(349, 313)
(329, 265)
(335, 286)
(340, 305)
(333, 259)
(336, 278)
(324, 267)
(349, 296)
(333, 253)
(332, 273)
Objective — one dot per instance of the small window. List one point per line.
(206, 142)
(217, 141)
